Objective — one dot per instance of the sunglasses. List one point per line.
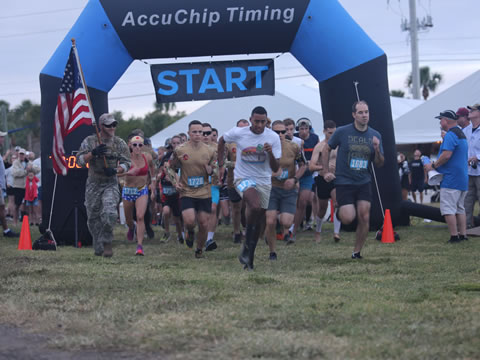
(112, 125)
(137, 144)
(281, 131)
(207, 133)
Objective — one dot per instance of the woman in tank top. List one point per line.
(135, 191)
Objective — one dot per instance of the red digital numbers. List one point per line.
(71, 162)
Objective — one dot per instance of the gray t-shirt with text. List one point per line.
(355, 152)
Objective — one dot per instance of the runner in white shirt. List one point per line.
(258, 153)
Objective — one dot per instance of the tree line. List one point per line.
(23, 122)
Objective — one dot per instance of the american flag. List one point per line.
(71, 112)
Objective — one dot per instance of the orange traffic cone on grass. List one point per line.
(388, 236)
(25, 242)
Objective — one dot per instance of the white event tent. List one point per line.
(419, 125)
(289, 102)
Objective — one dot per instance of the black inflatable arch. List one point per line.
(110, 34)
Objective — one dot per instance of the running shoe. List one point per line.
(130, 234)
(290, 238)
(190, 238)
(165, 237)
(10, 234)
(198, 254)
(139, 250)
(273, 256)
(212, 245)
(237, 238)
(356, 255)
(180, 239)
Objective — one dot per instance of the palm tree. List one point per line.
(164, 107)
(428, 81)
(397, 93)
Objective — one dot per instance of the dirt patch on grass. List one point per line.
(17, 344)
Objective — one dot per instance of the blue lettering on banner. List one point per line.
(237, 81)
(206, 85)
(162, 80)
(218, 80)
(195, 181)
(189, 78)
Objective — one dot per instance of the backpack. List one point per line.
(44, 242)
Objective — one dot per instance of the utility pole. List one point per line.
(3, 112)
(413, 26)
(414, 50)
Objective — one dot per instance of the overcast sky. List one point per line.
(31, 30)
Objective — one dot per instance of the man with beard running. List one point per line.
(358, 146)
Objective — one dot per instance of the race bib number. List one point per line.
(169, 190)
(283, 175)
(195, 181)
(245, 184)
(130, 191)
(358, 164)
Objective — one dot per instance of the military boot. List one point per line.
(107, 250)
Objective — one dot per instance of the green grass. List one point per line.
(417, 298)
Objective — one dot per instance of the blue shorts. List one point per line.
(306, 182)
(133, 193)
(32, 203)
(215, 194)
(40, 193)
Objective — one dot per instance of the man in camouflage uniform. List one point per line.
(101, 191)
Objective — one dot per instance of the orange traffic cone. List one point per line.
(25, 242)
(387, 234)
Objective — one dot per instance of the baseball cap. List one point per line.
(107, 119)
(2, 133)
(17, 148)
(474, 107)
(22, 151)
(449, 114)
(462, 111)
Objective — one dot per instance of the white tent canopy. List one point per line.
(224, 114)
(419, 125)
(301, 101)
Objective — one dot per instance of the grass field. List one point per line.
(417, 298)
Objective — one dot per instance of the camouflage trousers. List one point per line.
(101, 200)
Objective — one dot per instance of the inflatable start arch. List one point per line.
(110, 34)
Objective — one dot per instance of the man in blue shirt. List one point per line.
(358, 145)
(452, 162)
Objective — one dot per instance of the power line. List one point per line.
(33, 33)
(38, 13)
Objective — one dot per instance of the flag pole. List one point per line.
(94, 122)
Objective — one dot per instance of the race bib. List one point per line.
(358, 164)
(169, 190)
(245, 184)
(130, 191)
(195, 181)
(283, 175)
